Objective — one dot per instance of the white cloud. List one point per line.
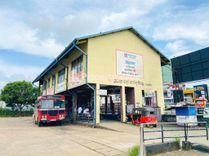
(131, 14)
(18, 36)
(183, 31)
(45, 27)
(178, 47)
(199, 34)
(12, 72)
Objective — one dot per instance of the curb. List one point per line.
(200, 147)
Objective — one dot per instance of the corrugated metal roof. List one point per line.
(68, 49)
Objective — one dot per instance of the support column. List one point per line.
(74, 107)
(97, 100)
(138, 96)
(123, 104)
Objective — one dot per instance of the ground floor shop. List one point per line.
(95, 102)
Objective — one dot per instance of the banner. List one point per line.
(129, 64)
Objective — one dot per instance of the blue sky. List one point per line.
(33, 32)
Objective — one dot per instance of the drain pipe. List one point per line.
(92, 88)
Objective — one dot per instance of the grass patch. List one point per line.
(178, 141)
(133, 151)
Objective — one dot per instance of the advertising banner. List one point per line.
(61, 86)
(76, 78)
(129, 64)
(201, 91)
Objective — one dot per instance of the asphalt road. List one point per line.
(19, 136)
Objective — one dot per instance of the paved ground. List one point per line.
(18, 136)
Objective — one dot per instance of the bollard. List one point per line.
(185, 132)
(162, 133)
(206, 128)
(141, 150)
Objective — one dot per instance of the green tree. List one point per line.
(19, 93)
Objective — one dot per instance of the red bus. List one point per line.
(49, 108)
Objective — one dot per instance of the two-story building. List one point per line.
(107, 73)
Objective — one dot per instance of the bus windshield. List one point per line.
(59, 104)
(49, 104)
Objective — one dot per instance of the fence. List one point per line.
(163, 128)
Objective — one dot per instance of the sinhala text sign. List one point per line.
(129, 64)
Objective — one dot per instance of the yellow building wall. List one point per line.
(75, 54)
(102, 66)
(66, 63)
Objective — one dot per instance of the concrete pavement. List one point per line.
(19, 136)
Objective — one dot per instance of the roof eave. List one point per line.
(55, 61)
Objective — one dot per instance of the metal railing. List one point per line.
(163, 129)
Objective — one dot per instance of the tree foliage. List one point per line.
(19, 93)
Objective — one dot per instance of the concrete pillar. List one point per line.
(138, 96)
(123, 104)
(74, 106)
(160, 100)
(66, 78)
(97, 100)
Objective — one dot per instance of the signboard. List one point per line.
(129, 64)
(129, 109)
(201, 91)
(103, 92)
(76, 77)
(115, 98)
(181, 120)
(200, 103)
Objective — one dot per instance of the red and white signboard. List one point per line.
(129, 64)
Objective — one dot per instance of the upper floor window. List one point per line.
(77, 65)
(61, 76)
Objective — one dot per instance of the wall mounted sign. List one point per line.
(129, 64)
(128, 82)
(103, 92)
(76, 78)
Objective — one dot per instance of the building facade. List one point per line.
(193, 66)
(107, 72)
